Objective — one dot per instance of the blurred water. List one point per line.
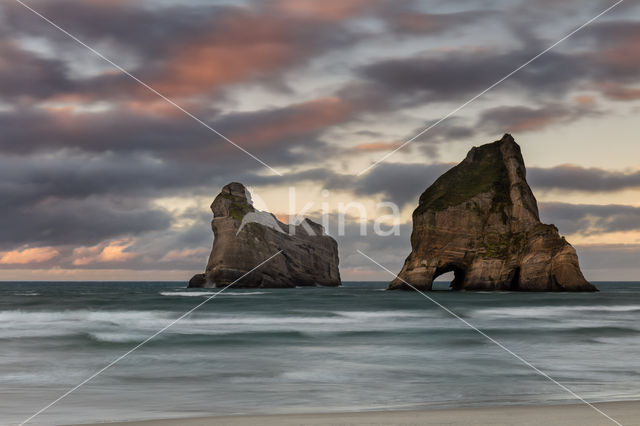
(305, 350)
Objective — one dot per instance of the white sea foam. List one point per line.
(129, 325)
(118, 337)
(366, 315)
(17, 323)
(547, 311)
(23, 317)
(209, 293)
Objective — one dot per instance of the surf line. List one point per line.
(492, 340)
(139, 345)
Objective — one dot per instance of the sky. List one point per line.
(102, 178)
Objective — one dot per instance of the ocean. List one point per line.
(357, 347)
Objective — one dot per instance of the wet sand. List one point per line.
(626, 413)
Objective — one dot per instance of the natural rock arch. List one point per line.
(459, 273)
(481, 219)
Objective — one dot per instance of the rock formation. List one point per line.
(245, 237)
(480, 220)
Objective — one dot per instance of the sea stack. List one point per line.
(480, 220)
(245, 237)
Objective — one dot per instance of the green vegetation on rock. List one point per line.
(483, 172)
(501, 246)
(238, 207)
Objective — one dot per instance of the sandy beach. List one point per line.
(626, 413)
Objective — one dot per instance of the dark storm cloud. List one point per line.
(396, 182)
(615, 53)
(184, 50)
(272, 133)
(69, 197)
(611, 57)
(147, 31)
(399, 183)
(22, 74)
(412, 22)
(591, 219)
(450, 130)
(520, 119)
(26, 130)
(68, 174)
(110, 195)
(452, 75)
(402, 183)
(84, 222)
(269, 133)
(61, 198)
(576, 178)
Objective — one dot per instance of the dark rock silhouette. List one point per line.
(245, 237)
(480, 220)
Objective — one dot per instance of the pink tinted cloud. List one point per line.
(105, 252)
(329, 10)
(299, 120)
(619, 92)
(244, 46)
(28, 255)
(376, 146)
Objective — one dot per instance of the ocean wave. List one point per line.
(209, 293)
(117, 337)
(131, 325)
(32, 324)
(382, 314)
(131, 318)
(546, 311)
(120, 326)
(23, 316)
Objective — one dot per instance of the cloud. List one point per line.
(326, 10)
(414, 23)
(456, 74)
(242, 45)
(520, 119)
(72, 174)
(619, 92)
(182, 254)
(610, 257)
(28, 255)
(605, 60)
(106, 252)
(270, 133)
(588, 219)
(185, 50)
(377, 146)
(24, 75)
(617, 53)
(293, 123)
(66, 221)
(398, 182)
(578, 178)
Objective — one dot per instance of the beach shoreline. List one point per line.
(624, 412)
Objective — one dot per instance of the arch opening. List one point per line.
(514, 281)
(454, 273)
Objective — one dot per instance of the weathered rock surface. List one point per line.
(480, 220)
(245, 237)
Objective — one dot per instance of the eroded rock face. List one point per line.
(480, 220)
(245, 237)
